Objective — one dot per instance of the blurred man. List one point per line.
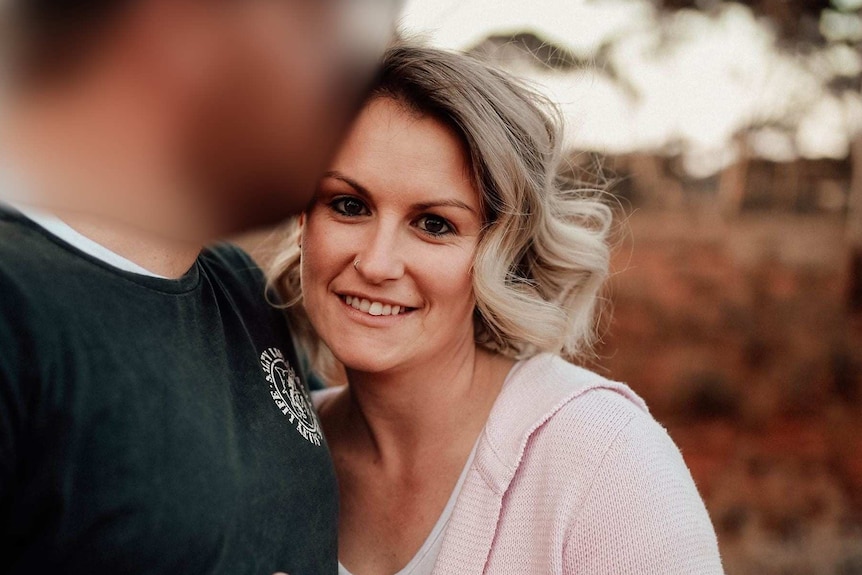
(152, 417)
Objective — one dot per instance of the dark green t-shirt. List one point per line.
(153, 426)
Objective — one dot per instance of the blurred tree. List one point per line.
(793, 19)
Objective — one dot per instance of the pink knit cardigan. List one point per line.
(572, 475)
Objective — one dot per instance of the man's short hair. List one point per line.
(50, 35)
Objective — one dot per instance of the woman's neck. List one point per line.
(425, 410)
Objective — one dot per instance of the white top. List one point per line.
(57, 227)
(424, 560)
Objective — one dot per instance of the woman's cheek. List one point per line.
(449, 273)
(315, 257)
(322, 240)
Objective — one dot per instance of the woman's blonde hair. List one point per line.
(543, 255)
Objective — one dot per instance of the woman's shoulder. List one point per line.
(605, 432)
(636, 490)
(565, 379)
(587, 414)
(548, 392)
(621, 478)
(574, 410)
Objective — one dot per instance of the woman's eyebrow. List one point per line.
(449, 203)
(359, 188)
(422, 206)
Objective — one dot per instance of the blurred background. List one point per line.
(732, 134)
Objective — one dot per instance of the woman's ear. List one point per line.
(301, 224)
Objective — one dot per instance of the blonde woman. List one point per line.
(443, 265)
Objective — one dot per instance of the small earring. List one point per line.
(356, 264)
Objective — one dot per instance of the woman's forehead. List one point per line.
(391, 150)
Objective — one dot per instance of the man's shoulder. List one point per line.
(25, 323)
(21, 244)
(227, 261)
(228, 255)
(235, 274)
(29, 262)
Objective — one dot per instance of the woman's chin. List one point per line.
(370, 360)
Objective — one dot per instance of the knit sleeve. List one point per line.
(643, 514)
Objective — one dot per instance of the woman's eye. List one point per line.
(349, 207)
(434, 225)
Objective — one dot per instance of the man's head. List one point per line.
(256, 93)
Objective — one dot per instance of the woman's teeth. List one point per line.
(373, 307)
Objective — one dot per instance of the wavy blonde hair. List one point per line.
(543, 254)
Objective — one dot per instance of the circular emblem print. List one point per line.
(290, 395)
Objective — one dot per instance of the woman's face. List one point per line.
(399, 201)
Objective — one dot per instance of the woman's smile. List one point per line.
(375, 307)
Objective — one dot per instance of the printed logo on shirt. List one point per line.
(290, 395)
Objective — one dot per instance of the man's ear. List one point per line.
(301, 225)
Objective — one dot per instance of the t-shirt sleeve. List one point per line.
(254, 280)
(9, 406)
(239, 263)
(643, 514)
(19, 373)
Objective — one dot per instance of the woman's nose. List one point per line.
(382, 259)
